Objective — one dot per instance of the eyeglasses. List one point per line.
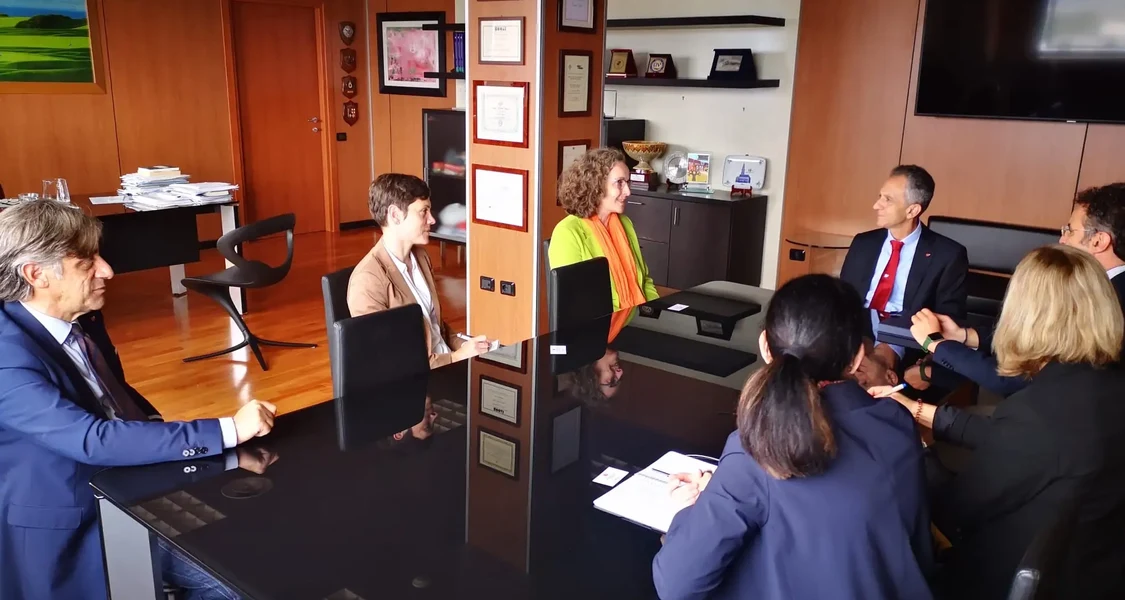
(621, 182)
(1067, 230)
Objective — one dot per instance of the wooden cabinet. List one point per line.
(687, 240)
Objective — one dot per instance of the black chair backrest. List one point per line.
(996, 247)
(578, 293)
(2, 192)
(228, 244)
(378, 348)
(546, 254)
(1039, 572)
(334, 288)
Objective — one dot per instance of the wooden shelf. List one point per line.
(449, 75)
(444, 27)
(696, 22)
(695, 83)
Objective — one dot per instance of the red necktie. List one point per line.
(114, 394)
(886, 281)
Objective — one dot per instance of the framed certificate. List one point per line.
(499, 400)
(570, 151)
(500, 113)
(510, 357)
(501, 41)
(499, 453)
(500, 197)
(577, 16)
(574, 84)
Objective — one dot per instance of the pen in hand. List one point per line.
(894, 390)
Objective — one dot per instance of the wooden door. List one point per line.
(276, 55)
(700, 246)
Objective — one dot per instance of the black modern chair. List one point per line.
(334, 287)
(379, 348)
(246, 274)
(1038, 576)
(579, 293)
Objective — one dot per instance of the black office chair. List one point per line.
(246, 274)
(1038, 574)
(579, 293)
(375, 349)
(334, 288)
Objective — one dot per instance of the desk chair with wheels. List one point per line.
(246, 274)
(579, 293)
(378, 348)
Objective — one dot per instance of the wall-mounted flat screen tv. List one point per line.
(1058, 60)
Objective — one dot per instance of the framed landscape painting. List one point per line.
(50, 46)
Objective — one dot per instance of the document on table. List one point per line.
(107, 199)
(643, 498)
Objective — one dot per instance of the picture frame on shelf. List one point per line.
(575, 82)
(578, 16)
(407, 52)
(621, 63)
(698, 173)
(499, 453)
(660, 66)
(733, 65)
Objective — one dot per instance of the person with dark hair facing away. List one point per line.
(398, 272)
(903, 266)
(1097, 227)
(820, 493)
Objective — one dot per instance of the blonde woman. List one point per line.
(1059, 440)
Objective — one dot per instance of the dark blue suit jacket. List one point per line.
(53, 438)
(861, 529)
(980, 366)
(937, 275)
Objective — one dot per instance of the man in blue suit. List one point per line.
(66, 410)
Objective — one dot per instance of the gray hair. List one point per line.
(41, 232)
(919, 184)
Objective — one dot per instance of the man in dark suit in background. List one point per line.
(903, 266)
(1096, 226)
(66, 411)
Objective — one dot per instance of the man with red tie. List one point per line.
(903, 266)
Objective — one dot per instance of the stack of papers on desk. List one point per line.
(644, 498)
(208, 190)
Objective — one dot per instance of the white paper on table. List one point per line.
(108, 199)
(644, 498)
(677, 307)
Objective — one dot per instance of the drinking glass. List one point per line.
(48, 189)
(63, 190)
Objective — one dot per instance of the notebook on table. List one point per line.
(643, 498)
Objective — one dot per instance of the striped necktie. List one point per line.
(114, 395)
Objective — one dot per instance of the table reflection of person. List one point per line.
(597, 382)
(419, 432)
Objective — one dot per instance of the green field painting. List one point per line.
(38, 44)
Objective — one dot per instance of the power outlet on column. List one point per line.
(508, 288)
(487, 284)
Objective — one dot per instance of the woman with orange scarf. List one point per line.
(593, 190)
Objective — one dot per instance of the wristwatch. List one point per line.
(930, 340)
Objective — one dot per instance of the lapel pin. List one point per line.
(927, 255)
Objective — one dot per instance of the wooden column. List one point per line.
(516, 255)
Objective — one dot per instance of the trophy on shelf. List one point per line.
(643, 177)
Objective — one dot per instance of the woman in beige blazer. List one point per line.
(398, 272)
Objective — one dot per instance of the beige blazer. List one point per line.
(376, 284)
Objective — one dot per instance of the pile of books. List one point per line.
(148, 179)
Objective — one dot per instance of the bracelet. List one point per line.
(966, 340)
(918, 412)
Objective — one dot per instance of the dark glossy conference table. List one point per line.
(496, 502)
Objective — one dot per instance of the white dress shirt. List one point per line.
(1115, 271)
(898, 290)
(416, 281)
(61, 331)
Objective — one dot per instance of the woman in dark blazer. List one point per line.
(821, 492)
(1059, 442)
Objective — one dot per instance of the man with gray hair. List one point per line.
(902, 266)
(66, 411)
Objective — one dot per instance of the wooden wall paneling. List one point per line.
(169, 93)
(353, 157)
(849, 103)
(555, 129)
(1103, 157)
(234, 115)
(500, 253)
(1020, 172)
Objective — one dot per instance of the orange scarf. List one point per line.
(622, 269)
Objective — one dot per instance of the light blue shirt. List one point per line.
(61, 331)
(898, 291)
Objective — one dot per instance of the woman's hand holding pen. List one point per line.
(686, 487)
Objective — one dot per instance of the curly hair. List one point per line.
(582, 184)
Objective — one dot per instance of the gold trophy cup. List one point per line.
(643, 177)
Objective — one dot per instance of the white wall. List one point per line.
(719, 121)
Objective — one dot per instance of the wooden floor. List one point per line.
(154, 331)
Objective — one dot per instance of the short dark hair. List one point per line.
(919, 184)
(1105, 211)
(814, 327)
(394, 189)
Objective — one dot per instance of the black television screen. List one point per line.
(1023, 59)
